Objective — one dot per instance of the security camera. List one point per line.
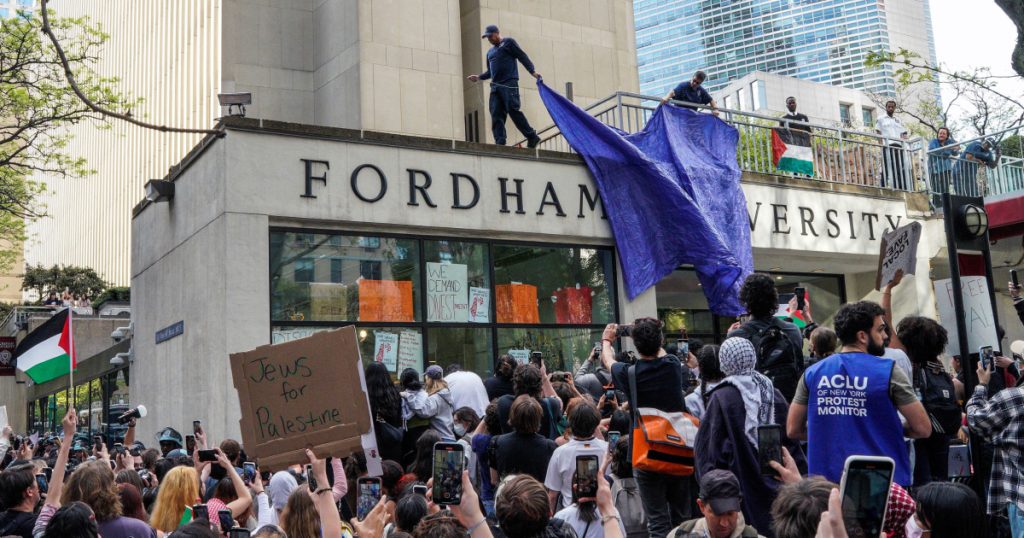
(119, 334)
(121, 358)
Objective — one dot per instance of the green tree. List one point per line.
(37, 106)
(81, 281)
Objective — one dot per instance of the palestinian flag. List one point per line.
(791, 151)
(46, 352)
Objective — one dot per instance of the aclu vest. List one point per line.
(849, 412)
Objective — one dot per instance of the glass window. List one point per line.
(469, 347)
(563, 349)
(868, 116)
(757, 91)
(536, 284)
(317, 277)
(457, 282)
(844, 114)
(397, 347)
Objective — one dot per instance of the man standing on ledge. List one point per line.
(692, 91)
(504, 76)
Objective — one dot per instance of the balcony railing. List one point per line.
(961, 171)
(18, 317)
(840, 155)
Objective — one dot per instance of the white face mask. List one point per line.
(913, 531)
(460, 430)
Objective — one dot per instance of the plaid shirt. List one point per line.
(1000, 420)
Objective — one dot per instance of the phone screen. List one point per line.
(800, 295)
(448, 465)
(985, 355)
(769, 447)
(199, 511)
(866, 484)
(239, 532)
(208, 455)
(419, 489)
(226, 520)
(613, 439)
(197, 426)
(1013, 278)
(310, 478)
(41, 482)
(683, 347)
(249, 471)
(190, 443)
(369, 496)
(536, 358)
(585, 478)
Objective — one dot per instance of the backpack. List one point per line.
(939, 399)
(661, 441)
(777, 358)
(626, 494)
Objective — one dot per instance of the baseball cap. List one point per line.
(491, 29)
(721, 490)
(434, 372)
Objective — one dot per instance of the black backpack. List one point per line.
(939, 400)
(777, 358)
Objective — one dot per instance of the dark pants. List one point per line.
(895, 175)
(665, 499)
(931, 459)
(505, 103)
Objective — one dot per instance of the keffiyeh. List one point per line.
(738, 359)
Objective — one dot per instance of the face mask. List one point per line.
(460, 430)
(913, 531)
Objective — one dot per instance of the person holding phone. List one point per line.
(999, 420)
(230, 492)
(583, 422)
(532, 381)
(730, 436)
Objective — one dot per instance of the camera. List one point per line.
(624, 330)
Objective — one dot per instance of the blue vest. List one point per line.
(849, 412)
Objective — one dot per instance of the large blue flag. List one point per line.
(672, 195)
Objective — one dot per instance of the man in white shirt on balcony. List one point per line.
(895, 174)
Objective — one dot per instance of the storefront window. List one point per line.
(468, 347)
(397, 347)
(564, 349)
(535, 284)
(326, 277)
(457, 282)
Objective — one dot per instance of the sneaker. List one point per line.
(532, 141)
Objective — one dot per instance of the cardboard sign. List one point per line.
(410, 351)
(981, 327)
(447, 292)
(299, 394)
(479, 305)
(898, 251)
(386, 350)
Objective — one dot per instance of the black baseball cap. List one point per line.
(491, 29)
(721, 490)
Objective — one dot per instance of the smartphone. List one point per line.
(613, 439)
(227, 521)
(208, 455)
(238, 532)
(865, 490)
(609, 395)
(199, 511)
(311, 478)
(420, 489)
(585, 478)
(43, 484)
(118, 448)
(97, 440)
(769, 447)
(1013, 278)
(249, 471)
(449, 461)
(197, 426)
(800, 297)
(624, 330)
(537, 358)
(985, 354)
(48, 473)
(682, 349)
(369, 495)
(190, 443)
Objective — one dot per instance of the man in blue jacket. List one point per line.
(503, 72)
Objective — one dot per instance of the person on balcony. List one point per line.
(893, 132)
(983, 152)
(503, 72)
(794, 116)
(692, 92)
(942, 152)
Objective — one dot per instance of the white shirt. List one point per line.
(468, 391)
(891, 128)
(571, 516)
(563, 464)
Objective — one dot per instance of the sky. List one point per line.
(971, 33)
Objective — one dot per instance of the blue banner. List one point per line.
(672, 195)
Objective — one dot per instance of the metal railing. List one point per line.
(840, 155)
(967, 169)
(17, 318)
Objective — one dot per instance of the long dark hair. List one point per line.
(951, 510)
(710, 368)
(73, 520)
(385, 402)
(423, 465)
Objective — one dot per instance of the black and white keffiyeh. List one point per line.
(738, 359)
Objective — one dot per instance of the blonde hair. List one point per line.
(435, 385)
(300, 519)
(178, 490)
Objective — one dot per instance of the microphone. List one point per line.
(138, 412)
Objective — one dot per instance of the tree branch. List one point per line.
(88, 102)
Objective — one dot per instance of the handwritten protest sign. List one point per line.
(386, 349)
(898, 251)
(981, 327)
(303, 393)
(447, 298)
(410, 351)
(479, 305)
(522, 356)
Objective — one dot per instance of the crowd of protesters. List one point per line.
(524, 429)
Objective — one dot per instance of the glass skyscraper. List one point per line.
(824, 41)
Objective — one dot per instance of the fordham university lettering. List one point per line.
(833, 223)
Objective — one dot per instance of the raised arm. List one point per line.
(340, 481)
(70, 425)
(330, 521)
(607, 349)
(894, 341)
(244, 500)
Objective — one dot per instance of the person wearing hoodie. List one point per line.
(437, 406)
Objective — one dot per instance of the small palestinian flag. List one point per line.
(46, 353)
(791, 151)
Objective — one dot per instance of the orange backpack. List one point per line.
(662, 441)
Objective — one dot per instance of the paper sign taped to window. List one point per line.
(386, 350)
(522, 356)
(479, 305)
(410, 351)
(898, 251)
(447, 292)
(303, 393)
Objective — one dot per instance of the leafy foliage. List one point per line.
(81, 281)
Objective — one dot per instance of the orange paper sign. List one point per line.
(516, 303)
(573, 305)
(385, 300)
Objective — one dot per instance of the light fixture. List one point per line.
(362, 335)
(159, 190)
(774, 268)
(974, 220)
(819, 270)
(232, 100)
(778, 278)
